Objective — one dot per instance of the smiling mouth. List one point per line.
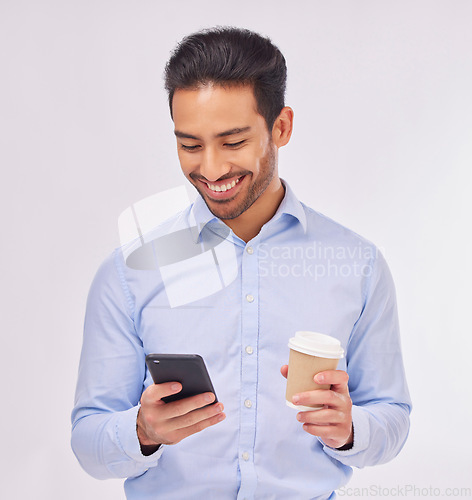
(222, 190)
(217, 188)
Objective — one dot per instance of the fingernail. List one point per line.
(175, 387)
(319, 378)
(221, 417)
(209, 398)
(299, 417)
(296, 399)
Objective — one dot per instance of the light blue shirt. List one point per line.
(301, 272)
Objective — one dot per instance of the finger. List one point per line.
(338, 379)
(325, 416)
(186, 405)
(325, 397)
(194, 417)
(199, 426)
(284, 370)
(160, 429)
(155, 392)
(332, 435)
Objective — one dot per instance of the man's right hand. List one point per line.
(168, 423)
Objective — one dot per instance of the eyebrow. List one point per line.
(232, 131)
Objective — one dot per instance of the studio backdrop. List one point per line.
(382, 143)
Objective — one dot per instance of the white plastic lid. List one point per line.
(317, 344)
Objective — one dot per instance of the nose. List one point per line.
(213, 165)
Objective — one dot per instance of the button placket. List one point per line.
(249, 365)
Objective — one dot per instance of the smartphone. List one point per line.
(188, 369)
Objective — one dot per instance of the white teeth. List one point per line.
(223, 187)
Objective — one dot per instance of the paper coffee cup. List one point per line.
(310, 353)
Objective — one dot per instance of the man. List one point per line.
(296, 270)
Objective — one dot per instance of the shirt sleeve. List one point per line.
(377, 383)
(110, 381)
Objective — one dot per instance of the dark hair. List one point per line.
(230, 56)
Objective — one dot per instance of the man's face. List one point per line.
(224, 147)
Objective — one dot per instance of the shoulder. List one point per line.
(328, 231)
(109, 278)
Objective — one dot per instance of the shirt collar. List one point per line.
(289, 205)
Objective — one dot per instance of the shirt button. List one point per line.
(245, 456)
(249, 349)
(249, 298)
(250, 250)
(247, 403)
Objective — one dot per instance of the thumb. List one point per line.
(155, 392)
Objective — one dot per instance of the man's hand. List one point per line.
(168, 423)
(332, 423)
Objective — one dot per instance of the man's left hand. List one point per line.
(333, 422)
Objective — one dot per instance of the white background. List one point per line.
(382, 143)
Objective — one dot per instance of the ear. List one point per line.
(283, 125)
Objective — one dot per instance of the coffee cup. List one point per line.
(310, 353)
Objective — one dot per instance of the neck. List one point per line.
(250, 222)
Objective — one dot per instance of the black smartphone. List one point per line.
(188, 369)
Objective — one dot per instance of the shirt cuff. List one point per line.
(360, 424)
(128, 439)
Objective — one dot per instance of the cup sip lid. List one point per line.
(317, 344)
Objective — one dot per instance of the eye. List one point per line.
(235, 144)
(189, 148)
